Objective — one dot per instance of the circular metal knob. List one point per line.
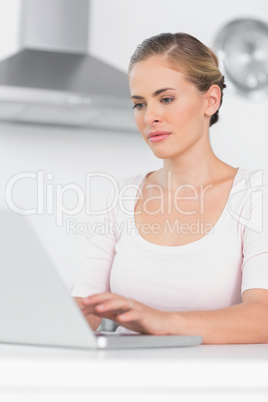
(242, 49)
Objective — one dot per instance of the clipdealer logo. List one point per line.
(245, 203)
(50, 197)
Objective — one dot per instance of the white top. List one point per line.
(206, 274)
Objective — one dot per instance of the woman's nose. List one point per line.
(152, 116)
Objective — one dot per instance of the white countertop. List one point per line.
(206, 371)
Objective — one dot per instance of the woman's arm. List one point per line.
(242, 323)
(93, 320)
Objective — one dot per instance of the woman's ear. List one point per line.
(213, 97)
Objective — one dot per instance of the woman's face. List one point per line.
(170, 112)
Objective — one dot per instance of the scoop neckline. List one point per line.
(185, 247)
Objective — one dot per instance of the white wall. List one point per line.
(117, 27)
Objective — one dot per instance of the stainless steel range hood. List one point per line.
(53, 79)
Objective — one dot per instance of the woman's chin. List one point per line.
(163, 154)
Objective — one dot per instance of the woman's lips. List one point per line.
(158, 136)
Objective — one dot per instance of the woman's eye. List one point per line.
(166, 100)
(138, 106)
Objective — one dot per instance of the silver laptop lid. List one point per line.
(35, 307)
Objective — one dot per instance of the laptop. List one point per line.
(36, 307)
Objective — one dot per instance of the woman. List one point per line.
(190, 257)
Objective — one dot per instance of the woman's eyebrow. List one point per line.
(159, 91)
(156, 93)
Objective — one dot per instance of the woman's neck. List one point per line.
(198, 170)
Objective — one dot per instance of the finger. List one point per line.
(103, 298)
(87, 310)
(116, 305)
(128, 316)
(131, 320)
(97, 298)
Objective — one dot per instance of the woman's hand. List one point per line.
(128, 313)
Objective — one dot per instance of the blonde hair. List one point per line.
(186, 54)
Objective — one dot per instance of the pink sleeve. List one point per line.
(94, 276)
(255, 237)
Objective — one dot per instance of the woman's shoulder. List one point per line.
(134, 180)
(251, 178)
(125, 188)
(249, 194)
